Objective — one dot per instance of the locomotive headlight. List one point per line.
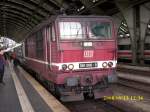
(104, 65)
(70, 66)
(64, 66)
(110, 64)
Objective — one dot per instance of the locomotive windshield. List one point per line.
(99, 30)
(85, 30)
(71, 30)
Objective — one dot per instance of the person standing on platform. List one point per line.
(5, 55)
(15, 62)
(2, 66)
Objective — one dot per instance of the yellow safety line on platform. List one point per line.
(23, 99)
(51, 101)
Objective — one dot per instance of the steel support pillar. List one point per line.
(136, 21)
(128, 14)
(144, 19)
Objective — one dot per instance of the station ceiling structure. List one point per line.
(19, 17)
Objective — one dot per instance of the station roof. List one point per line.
(19, 17)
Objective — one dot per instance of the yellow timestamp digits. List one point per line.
(124, 98)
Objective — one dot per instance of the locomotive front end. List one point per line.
(87, 57)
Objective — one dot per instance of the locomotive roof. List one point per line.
(82, 16)
(53, 18)
(42, 24)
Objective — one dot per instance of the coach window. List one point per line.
(147, 46)
(124, 47)
(39, 44)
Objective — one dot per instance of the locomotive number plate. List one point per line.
(87, 65)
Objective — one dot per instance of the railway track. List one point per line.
(135, 77)
(134, 69)
(92, 106)
(134, 105)
(134, 84)
(100, 105)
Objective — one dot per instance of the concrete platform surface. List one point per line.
(22, 93)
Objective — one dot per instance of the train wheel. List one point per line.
(51, 86)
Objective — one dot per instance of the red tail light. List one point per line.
(64, 66)
(110, 64)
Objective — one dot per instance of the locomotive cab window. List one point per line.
(99, 30)
(85, 29)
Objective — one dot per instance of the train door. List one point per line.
(51, 45)
(48, 46)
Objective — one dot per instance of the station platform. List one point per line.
(21, 93)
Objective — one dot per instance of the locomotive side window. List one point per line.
(26, 47)
(48, 33)
(53, 34)
(99, 30)
(71, 30)
(39, 44)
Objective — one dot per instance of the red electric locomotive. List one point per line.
(75, 55)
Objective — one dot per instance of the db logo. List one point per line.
(88, 53)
